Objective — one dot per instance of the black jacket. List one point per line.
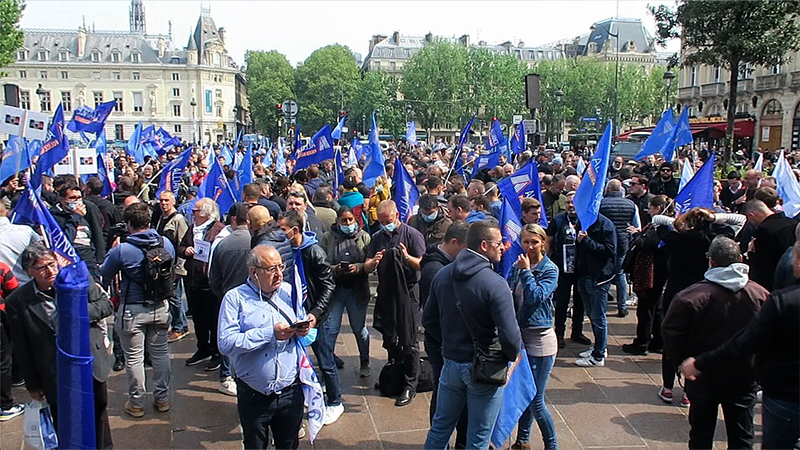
(109, 213)
(659, 187)
(432, 262)
(70, 222)
(597, 252)
(272, 235)
(486, 302)
(621, 212)
(396, 314)
(319, 278)
(773, 237)
(642, 203)
(229, 262)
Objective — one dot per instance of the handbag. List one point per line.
(489, 364)
(40, 434)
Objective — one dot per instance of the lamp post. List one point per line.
(363, 123)
(668, 77)
(41, 93)
(193, 104)
(559, 96)
(616, 74)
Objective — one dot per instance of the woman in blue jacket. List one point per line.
(533, 281)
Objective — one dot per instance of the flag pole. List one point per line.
(150, 181)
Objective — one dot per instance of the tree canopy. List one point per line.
(11, 37)
(324, 83)
(270, 80)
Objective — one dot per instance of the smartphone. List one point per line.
(344, 266)
(301, 324)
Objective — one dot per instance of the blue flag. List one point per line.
(102, 170)
(523, 183)
(31, 210)
(238, 140)
(411, 133)
(319, 149)
(134, 144)
(91, 120)
(148, 142)
(164, 141)
(352, 161)
(34, 148)
(787, 186)
(491, 160)
(497, 140)
(173, 172)
(518, 144)
(375, 161)
(54, 149)
(699, 191)
(268, 157)
(359, 148)
(518, 394)
(338, 179)
(511, 228)
(15, 155)
(580, 166)
(245, 171)
(590, 192)
(227, 154)
(660, 138)
(216, 187)
(337, 132)
(406, 193)
(457, 164)
(280, 159)
(681, 135)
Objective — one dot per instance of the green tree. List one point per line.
(11, 36)
(377, 91)
(494, 85)
(270, 80)
(325, 83)
(731, 35)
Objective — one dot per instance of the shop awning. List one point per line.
(741, 128)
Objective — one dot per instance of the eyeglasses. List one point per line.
(496, 243)
(52, 266)
(272, 270)
(666, 170)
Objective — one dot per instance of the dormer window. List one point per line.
(42, 55)
(95, 56)
(134, 57)
(22, 55)
(115, 57)
(63, 55)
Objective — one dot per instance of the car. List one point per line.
(626, 149)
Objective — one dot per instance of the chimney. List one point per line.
(161, 46)
(521, 44)
(464, 40)
(81, 41)
(396, 37)
(221, 32)
(376, 38)
(481, 43)
(429, 38)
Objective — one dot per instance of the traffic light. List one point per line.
(279, 109)
(342, 114)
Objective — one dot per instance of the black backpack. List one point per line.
(158, 272)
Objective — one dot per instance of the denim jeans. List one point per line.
(177, 308)
(621, 282)
(327, 365)
(347, 298)
(541, 367)
(595, 299)
(225, 369)
(456, 390)
(781, 420)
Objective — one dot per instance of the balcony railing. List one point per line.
(712, 89)
(770, 82)
(795, 80)
(689, 92)
(743, 85)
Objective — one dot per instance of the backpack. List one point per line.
(158, 272)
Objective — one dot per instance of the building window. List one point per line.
(118, 101)
(176, 110)
(177, 129)
(137, 102)
(744, 71)
(219, 111)
(116, 76)
(95, 75)
(23, 74)
(66, 101)
(392, 65)
(717, 74)
(135, 57)
(43, 74)
(42, 55)
(46, 102)
(209, 106)
(135, 75)
(115, 57)
(25, 99)
(176, 92)
(217, 60)
(21, 55)
(377, 65)
(64, 75)
(776, 70)
(176, 76)
(98, 97)
(693, 76)
(63, 56)
(119, 132)
(95, 56)
(219, 93)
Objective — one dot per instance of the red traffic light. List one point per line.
(279, 106)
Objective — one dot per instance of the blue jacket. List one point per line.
(475, 216)
(127, 258)
(538, 285)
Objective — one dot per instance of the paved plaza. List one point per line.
(610, 407)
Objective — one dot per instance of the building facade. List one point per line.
(191, 91)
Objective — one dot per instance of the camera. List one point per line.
(119, 230)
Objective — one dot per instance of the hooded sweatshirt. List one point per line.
(127, 258)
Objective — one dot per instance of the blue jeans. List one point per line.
(541, 367)
(347, 298)
(781, 423)
(621, 282)
(456, 390)
(595, 299)
(225, 369)
(177, 308)
(327, 365)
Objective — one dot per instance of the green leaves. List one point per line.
(325, 84)
(270, 80)
(11, 37)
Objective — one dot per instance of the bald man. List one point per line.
(264, 230)
(623, 214)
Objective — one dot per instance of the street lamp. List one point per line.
(616, 73)
(668, 77)
(41, 93)
(559, 96)
(363, 124)
(193, 104)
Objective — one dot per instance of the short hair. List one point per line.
(479, 185)
(344, 209)
(240, 213)
(433, 183)
(208, 208)
(251, 190)
(734, 175)
(642, 178)
(138, 215)
(253, 259)
(480, 231)
(724, 251)
(481, 201)
(67, 185)
(458, 231)
(428, 201)
(322, 193)
(258, 216)
(94, 186)
(614, 185)
(167, 193)
(755, 205)
(387, 206)
(530, 203)
(293, 219)
(460, 201)
(313, 172)
(767, 195)
(298, 194)
(125, 183)
(35, 252)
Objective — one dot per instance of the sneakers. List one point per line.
(332, 414)
(623, 314)
(521, 446)
(197, 358)
(133, 411)
(302, 433)
(580, 339)
(685, 403)
(665, 395)
(213, 364)
(633, 349)
(364, 371)
(339, 362)
(590, 362)
(177, 335)
(162, 406)
(18, 383)
(227, 386)
(10, 413)
(588, 353)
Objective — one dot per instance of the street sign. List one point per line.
(590, 119)
(517, 119)
(530, 126)
(290, 108)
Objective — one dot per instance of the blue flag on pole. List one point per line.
(787, 187)
(359, 148)
(411, 133)
(457, 164)
(91, 120)
(497, 140)
(245, 171)
(681, 135)
(406, 193)
(31, 210)
(148, 142)
(227, 154)
(337, 132)
(590, 192)
(217, 188)
(699, 191)
(491, 160)
(511, 228)
(54, 149)
(268, 157)
(102, 170)
(660, 138)
(686, 173)
(134, 144)
(173, 172)
(580, 166)
(352, 161)
(518, 394)
(319, 149)
(375, 160)
(165, 141)
(280, 159)
(338, 178)
(523, 183)
(518, 139)
(15, 155)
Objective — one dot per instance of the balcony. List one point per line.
(688, 92)
(770, 82)
(712, 89)
(743, 85)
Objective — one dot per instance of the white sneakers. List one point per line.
(588, 353)
(590, 362)
(332, 414)
(228, 387)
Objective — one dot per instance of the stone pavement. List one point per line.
(611, 407)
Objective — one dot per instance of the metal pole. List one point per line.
(616, 86)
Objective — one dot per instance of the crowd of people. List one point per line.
(712, 287)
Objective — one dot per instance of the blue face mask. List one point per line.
(431, 217)
(349, 229)
(309, 339)
(390, 228)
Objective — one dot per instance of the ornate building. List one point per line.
(190, 91)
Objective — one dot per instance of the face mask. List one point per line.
(309, 338)
(390, 228)
(349, 229)
(431, 217)
(73, 204)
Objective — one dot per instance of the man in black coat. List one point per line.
(82, 224)
(665, 183)
(32, 310)
(774, 234)
(264, 230)
(110, 213)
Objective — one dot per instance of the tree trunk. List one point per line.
(729, 131)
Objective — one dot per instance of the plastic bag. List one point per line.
(40, 433)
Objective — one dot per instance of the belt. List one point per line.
(242, 386)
